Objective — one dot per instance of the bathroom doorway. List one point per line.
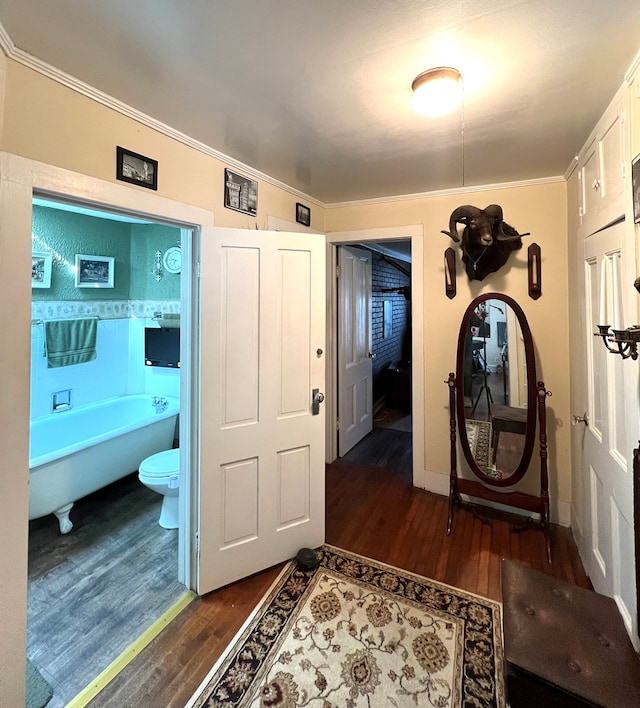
(96, 588)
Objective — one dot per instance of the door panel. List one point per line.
(355, 377)
(261, 449)
(613, 423)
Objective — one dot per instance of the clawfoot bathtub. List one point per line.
(77, 452)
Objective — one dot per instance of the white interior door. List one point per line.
(261, 467)
(355, 378)
(612, 430)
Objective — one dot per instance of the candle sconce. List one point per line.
(157, 270)
(625, 340)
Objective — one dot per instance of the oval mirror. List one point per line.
(496, 389)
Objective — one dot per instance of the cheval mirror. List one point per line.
(495, 401)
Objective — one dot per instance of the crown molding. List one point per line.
(6, 43)
(446, 192)
(61, 77)
(628, 77)
(571, 169)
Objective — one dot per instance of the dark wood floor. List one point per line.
(93, 591)
(372, 510)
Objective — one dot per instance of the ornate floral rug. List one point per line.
(479, 437)
(355, 632)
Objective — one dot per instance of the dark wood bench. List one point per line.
(564, 646)
(506, 419)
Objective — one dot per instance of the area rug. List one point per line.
(479, 437)
(355, 632)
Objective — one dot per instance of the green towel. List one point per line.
(39, 691)
(69, 342)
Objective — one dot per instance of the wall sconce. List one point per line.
(626, 340)
(157, 267)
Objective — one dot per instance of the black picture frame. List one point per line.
(303, 214)
(240, 193)
(136, 169)
(635, 182)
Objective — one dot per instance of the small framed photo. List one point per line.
(635, 181)
(136, 169)
(240, 193)
(94, 271)
(41, 270)
(303, 214)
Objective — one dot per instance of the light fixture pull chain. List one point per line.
(462, 125)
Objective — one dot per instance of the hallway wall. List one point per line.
(539, 208)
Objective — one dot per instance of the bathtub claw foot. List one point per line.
(62, 514)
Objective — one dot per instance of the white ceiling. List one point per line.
(316, 93)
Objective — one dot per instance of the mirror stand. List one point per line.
(520, 500)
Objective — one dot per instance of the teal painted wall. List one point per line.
(145, 241)
(133, 246)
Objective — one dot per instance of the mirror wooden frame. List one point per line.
(536, 411)
(525, 460)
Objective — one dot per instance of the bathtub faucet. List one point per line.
(160, 404)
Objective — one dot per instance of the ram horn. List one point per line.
(508, 233)
(460, 215)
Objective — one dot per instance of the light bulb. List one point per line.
(437, 91)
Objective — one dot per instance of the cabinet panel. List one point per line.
(603, 171)
(611, 149)
(589, 184)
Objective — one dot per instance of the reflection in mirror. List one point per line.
(495, 389)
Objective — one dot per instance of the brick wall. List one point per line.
(397, 347)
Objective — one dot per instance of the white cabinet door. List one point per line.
(355, 370)
(603, 170)
(261, 467)
(612, 431)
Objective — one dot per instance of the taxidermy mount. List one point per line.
(487, 240)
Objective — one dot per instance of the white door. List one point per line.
(612, 430)
(355, 377)
(261, 486)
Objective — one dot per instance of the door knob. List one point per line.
(575, 419)
(316, 399)
(372, 355)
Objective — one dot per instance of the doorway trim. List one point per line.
(25, 177)
(338, 238)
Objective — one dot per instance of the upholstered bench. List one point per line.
(564, 646)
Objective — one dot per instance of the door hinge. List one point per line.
(337, 423)
(197, 543)
(197, 269)
(337, 271)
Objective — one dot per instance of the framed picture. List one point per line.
(240, 193)
(94, 271)
(303, 214)
(136, 169)
(41, 270)
(635, 181)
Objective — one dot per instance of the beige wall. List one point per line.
(540, 209)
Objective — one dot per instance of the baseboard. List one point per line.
(560, 511)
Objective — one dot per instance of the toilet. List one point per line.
(161, 473)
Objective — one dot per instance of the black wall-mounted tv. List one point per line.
(162, 347)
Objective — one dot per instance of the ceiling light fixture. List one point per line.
(437, 91)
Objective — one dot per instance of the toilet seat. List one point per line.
(162, 466)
